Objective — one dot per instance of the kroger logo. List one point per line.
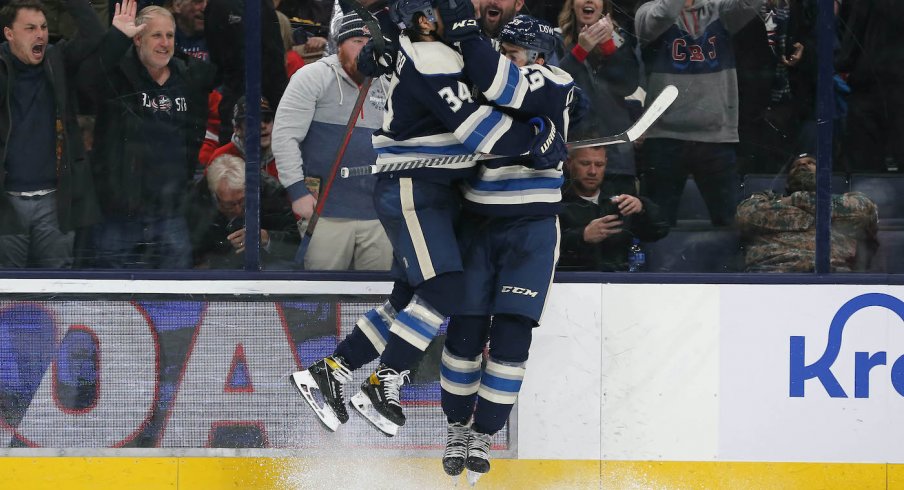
(864, 362)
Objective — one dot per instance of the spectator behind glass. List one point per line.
(225, 33)
(61, 24)
(872, 55)
(147, 136)
(600, 56)
(309, 129)
(237, 145)
(217, 219)
(46, 192)
(776, 85)
(294, 60)
(190, 39)
(687, 43)
(318, 12)
(495, 14)
(779, 232)
(598, 222)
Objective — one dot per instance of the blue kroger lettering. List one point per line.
(864, 362)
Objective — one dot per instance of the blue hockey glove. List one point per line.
(548, 149)
(371, 65)
(458, 20)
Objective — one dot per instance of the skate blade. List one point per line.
(306, 385)
(363, 406)
(473, 476)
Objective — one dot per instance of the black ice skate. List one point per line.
(328, 377)
(456, 451)
(478, 462)
(378, 400)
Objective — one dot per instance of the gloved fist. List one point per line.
(458, 19)
(372, 65)
(548, 149)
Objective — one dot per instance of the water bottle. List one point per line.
(637, 259)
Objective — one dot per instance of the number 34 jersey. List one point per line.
(430, 112)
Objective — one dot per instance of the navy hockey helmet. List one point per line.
(402, 12)
(531, 34)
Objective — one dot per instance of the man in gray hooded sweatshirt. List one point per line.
(687, 43)
(308, 130)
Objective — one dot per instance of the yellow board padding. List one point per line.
(366, 471)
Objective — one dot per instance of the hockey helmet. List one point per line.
(402, 12)
(531, 34)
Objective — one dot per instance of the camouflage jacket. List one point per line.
(779, 233)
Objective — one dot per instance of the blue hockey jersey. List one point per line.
(430, 112)
(511, 187)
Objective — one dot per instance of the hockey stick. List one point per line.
(650, 116)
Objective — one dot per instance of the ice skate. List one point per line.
(327, 377)
(456, 451)
(378, 400)
(478, 462)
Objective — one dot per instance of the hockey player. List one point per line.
(429, 112)
(509, 238)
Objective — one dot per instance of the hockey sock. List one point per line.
(417, 324)
(401, 295)
(410, 334)
(368, 339)
(466, 338)
(500, 383)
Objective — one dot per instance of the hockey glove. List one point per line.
(371, 65)
(548, 149)
(579, 105)
(458, 19)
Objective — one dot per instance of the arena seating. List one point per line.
(695, 248)
(693, 245)
(886, 190)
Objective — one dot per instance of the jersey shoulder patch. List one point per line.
(432, 58)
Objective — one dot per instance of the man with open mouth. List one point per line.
(494, 14)
(45, 184)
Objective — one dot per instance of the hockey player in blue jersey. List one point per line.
(429, 112)
(509, 237)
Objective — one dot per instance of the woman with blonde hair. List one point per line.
(600, 56)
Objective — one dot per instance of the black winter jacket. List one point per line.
(121, 156)
(76, 199)
(225, 30)
(209, 228)
(607, 81)
(612, 253)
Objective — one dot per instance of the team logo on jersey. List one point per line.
(161, 103)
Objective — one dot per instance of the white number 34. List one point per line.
(455, 100)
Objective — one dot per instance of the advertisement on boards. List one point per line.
(188, 374)
(812, 373)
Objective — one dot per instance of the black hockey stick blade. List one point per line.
(662, 102)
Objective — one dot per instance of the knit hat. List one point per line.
(350, 25)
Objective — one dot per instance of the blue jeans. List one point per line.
(144, 242)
